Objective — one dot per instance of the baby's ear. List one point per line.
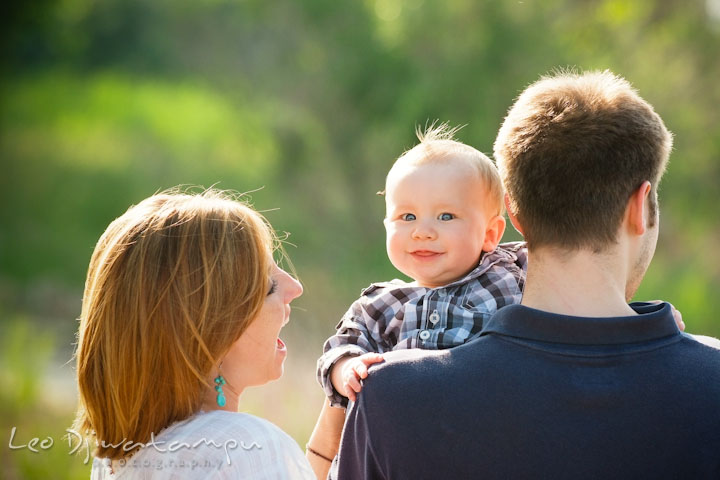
(493, 233)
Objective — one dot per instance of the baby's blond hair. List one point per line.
(438, 146)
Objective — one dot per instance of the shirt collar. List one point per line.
(653, 321)
(487, 260)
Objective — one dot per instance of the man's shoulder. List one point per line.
(393, 387)
(401, 368)
(402, 361)
(712, 343)
(697, 358)
(409, 371)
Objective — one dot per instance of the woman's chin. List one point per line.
(277, 372)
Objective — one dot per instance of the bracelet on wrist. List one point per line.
(315, 452)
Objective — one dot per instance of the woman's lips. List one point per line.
(279, 344)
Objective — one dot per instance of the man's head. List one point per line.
(572, 151)
(443, 205)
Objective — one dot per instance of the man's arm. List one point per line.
(356, 458)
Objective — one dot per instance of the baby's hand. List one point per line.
(355, 370)
(676, 315)
(678, 318)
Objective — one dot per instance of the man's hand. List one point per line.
(353, 370)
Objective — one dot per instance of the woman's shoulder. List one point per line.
(219, 444)
(236, 434)
(221, 419)
(234, 425)
(248, 445)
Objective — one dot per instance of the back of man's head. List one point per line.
(572, 150)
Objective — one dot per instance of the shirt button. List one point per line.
(442, 293)
(434, 317)
(424, 335)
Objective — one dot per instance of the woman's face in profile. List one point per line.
(257, 357)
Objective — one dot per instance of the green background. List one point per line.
(103, 103)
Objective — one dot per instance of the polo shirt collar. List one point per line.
(653, 321)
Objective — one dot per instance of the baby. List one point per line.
(443, 221)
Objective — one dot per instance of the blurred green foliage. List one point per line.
(27, 410)
(103, 103)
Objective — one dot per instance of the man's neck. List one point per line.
(579, 283)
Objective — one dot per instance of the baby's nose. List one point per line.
(424, 231)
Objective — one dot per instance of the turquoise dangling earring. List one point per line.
(219, 382)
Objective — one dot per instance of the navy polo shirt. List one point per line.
(540, 395)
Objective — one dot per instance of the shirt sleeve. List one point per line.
(292, 463)
(357, 333)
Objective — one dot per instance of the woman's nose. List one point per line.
(292, 288)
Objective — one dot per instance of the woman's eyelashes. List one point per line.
(273, 286)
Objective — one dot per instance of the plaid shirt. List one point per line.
(396, 315)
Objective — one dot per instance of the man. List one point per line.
(574, 382)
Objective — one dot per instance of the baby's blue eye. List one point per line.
(446, 216)
(409, 217)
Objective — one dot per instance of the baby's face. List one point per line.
(436, 221)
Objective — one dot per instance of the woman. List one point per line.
(182, 310)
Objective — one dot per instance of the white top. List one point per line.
(216, 444)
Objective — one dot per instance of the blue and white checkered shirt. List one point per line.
(396, 315)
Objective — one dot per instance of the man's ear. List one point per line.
(511, 215)
(637, 210)
(493, 233)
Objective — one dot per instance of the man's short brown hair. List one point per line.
(571, 151)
